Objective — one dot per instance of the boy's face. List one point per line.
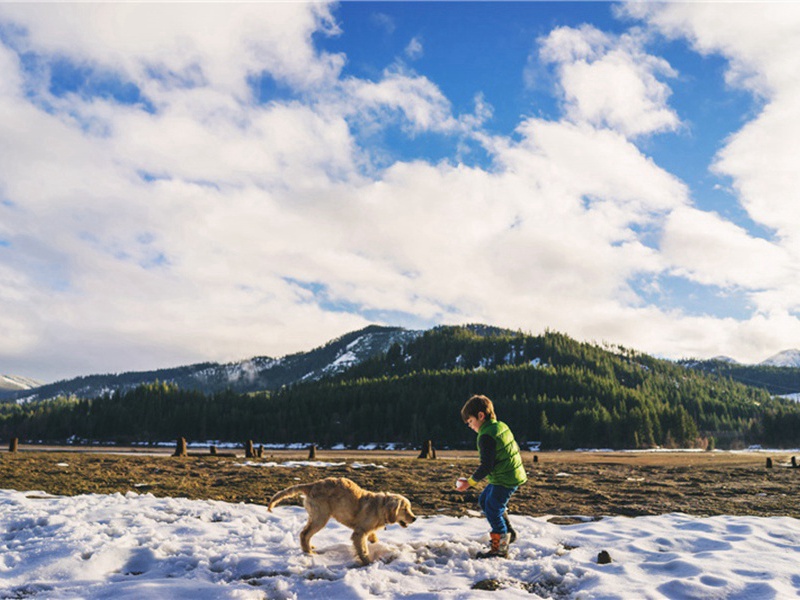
(475, 423)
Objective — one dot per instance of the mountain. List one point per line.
(787, 358)
(390, 385)
(255, 374)
(777, 380)
(15, 382)
(726, 359)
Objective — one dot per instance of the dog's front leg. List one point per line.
(360, 544)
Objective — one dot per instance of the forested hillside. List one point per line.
(776, 380)
(549, 388)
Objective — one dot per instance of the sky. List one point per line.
(197, 182)
(132, 546)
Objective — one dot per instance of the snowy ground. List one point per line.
(139, 546)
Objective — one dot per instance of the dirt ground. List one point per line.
(561, 484)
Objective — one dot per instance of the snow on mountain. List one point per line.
(15, 382)
(254, 374)
(726, 359)
(787, 358)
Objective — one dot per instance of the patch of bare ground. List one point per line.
(561, 484)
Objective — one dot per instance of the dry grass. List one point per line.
(561, 483)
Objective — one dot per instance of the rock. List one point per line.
(488, 585)
(603, 558)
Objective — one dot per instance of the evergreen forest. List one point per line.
(549, 388)
(776, 380)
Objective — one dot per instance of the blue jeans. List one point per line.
(493, 501)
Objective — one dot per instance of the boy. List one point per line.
(501, 463)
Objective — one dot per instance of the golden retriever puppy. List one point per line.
(362, 511)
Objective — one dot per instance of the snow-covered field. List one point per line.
(139, 546)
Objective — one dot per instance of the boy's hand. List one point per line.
(462, 484)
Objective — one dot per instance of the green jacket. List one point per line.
(508, 469)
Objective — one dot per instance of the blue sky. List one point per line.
(192, 182)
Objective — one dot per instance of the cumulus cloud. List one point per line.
(418, 100)
(760, 42)
(163, 46)
(710, 250)
(195, 222)
(609, 81)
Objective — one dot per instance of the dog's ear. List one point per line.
(392, 509)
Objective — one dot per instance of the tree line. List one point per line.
(549, 389)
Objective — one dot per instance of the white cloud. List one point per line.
(761, 161)
(760, 41)
(419, 101)
(161, 46)
(214, 227)
(11, 82)
(121, 273)
(565, 45)
(609, 81)
(707, 249)
(521, 245)
(385, 22)
(414, 49)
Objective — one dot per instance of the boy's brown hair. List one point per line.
(478, 404)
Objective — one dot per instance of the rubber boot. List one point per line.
(512, 535)
(499, 546)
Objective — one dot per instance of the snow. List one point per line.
(343, 361)
(135, 546)
(787, 358)
(15, 382)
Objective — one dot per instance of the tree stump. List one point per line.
(427, 450)
(794, 462)
(312, 452)
(769, 462)
(261, 451)
(13, 445)
(212, 450)
(249, 452)
(180, 448)
(535, 458)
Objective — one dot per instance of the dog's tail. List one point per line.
(289, 492)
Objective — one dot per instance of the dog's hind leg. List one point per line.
(360, 544)
(315, 523)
